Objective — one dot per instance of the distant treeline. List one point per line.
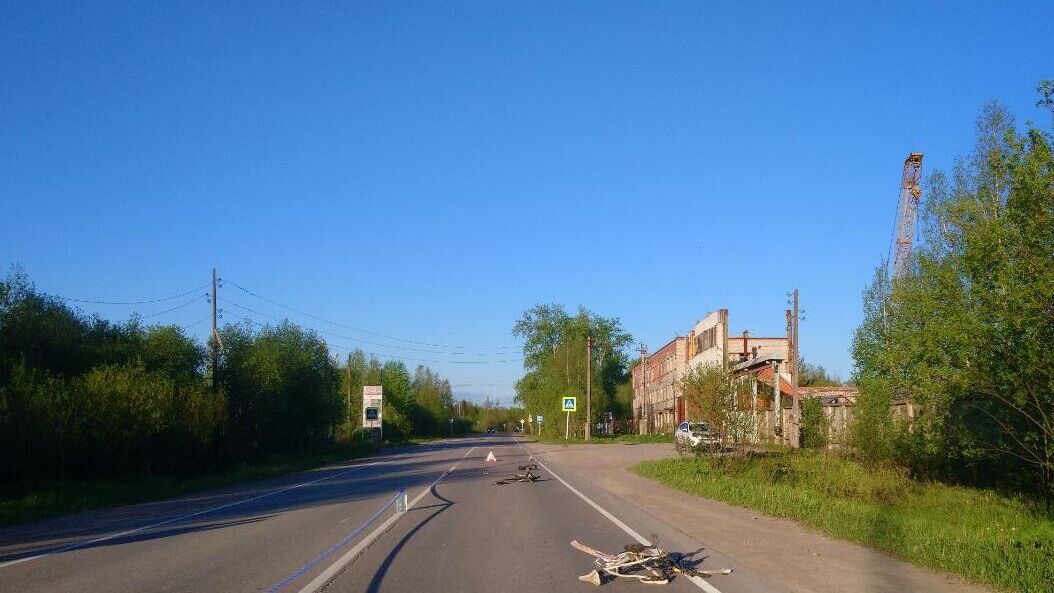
(85, 398)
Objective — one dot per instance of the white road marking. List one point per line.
(330, 572)
(104, 538)
(698, 581)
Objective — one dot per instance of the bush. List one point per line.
(814, 425)
(872, 432)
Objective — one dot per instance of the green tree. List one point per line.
(712, 396)
(814, 375)
(965, 336)
(555, 363)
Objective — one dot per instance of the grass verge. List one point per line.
(49, 500)
(981, 535)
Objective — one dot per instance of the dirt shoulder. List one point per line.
(776, 549)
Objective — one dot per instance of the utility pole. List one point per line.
(214, 338)
(777, 419)
(589, 386)
(645, 412)
(348, 402)
(792, 353)
(794, 376)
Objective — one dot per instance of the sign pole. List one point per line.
(372, 412)
(568, 405)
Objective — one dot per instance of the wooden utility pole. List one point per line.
(777, 416)
(792, 347)
(794, 377)
(645, 413)
(215, 337)
(351, 421)
(589, 386)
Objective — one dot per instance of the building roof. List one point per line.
(761, 360)
(765, 376)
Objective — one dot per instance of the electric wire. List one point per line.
(364, 342)
(176, 308)
(146, 302)
(350, 348)
(194, 323)
(498, 350)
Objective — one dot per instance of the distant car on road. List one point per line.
(691, 436)
(491, 431)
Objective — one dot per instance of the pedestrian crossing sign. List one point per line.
(569, 404)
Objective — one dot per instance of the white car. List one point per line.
(695, 435)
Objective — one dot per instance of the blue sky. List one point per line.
(427, 171)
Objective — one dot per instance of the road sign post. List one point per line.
(372, 409)
(569, 405)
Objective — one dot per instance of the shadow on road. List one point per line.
(382, 570)
(411, 467)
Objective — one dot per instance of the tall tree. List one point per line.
(555, 362)
(965, 336)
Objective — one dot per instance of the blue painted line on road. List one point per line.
(84, 544)
(296, 574)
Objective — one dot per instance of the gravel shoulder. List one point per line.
(778, 550)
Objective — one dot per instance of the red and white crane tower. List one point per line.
(910, 193)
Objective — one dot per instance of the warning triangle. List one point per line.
(490, 457)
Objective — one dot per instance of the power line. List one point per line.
(147, 302)
(198, 322)
(360, 347)
(362, 342)
(504, 349)
(176, 308)
(357, 339)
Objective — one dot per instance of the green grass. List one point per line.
(49, 500)
(981, 535)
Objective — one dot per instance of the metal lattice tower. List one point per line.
(909, 205)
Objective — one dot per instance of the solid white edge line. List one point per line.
(699, 581)
(78, 545)
(332, 570)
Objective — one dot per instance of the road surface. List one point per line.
(336, 529)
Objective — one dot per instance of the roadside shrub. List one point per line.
(814, 425)
(872, 432)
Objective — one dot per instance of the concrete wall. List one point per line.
(765, 346)
(708, 341)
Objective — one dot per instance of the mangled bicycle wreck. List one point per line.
(528, 475)
(647, 564)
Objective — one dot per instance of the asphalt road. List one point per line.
(304, 532)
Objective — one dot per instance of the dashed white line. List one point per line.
(698, 581)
